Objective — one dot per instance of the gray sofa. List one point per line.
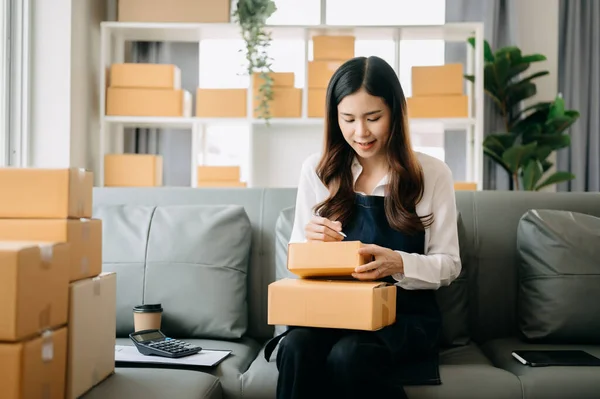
(208, 256)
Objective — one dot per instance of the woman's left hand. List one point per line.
(386, 262)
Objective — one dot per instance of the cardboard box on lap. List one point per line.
(35, 368)
(354, 305)
(325, 259)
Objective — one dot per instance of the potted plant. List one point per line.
(251, 16)
(530, 135)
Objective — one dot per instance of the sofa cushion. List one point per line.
(465, 373)
(125, 237)
(154, 383)
(230, 370)
(546, 382)
(196, 267)
(559, 276)
(453, 300)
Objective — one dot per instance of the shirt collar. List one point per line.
(357, 170)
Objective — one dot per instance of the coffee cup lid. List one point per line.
(148, 308)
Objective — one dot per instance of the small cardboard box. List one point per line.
(83, 235)
(133, 170)
(437, 80)
(317, 102)
(46, 193)
(456, 106)
(333, 47)
(201, 11)
(286, 103)
(465, 186)
(34, 288)
(280, 79)
(148, 102)
(325, 259)
(218, 173)
(320, 73)
(145, 76)
(224, 183)
(356, 305)
(92, 326)
(221, 103)
(35, 368)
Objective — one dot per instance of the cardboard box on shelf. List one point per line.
(286, 103)
(465, 186)
(280, 79)
(218, 173)
(145, 76)
(83, 235)
(333, 47)
(92, 325)
(148, 102)
(46, 193)
(357, 305)
(325, 259)
(221, 103)
(317, 103)
(35, 368)
(34, 288)
(320, 72)
(133, 170)
(202, 11)
(224, 183)
(456, 106)
(437, 80)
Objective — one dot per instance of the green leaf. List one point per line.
(470, 78)
(517, 156)
(532, 172)
(530, 78)
(546, 165)
(553, 142)
(533, 58)
(488, 56)
(535, 107)
(557, 108)
(501, 69)
(520, 93)
(555, 178)
(560, 124)
(498, 159)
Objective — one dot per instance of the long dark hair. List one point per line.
(405, 188)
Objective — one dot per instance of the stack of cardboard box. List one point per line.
(219, 176)
(329, 53)
(287, 99)
(57, 310)
(437, 92)
(325, 294)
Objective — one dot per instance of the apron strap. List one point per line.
(272, 344)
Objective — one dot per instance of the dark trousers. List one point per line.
(327, 363)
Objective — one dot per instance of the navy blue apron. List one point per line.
(413, 339)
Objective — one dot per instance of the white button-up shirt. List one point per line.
(440, 264)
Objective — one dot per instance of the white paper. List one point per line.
(206, 357)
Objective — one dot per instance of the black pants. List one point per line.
(328, 363)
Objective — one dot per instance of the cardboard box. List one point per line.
(286, 103)
(356, 305)
(280, 79)
(465, 186)
(203, 11)
(221, 103)
(437, 80)
(333, 47)
(34, 288)
(46, 193)
(83, 235)
(325, 259)
(218, 173)
(148, 102)
(35, 368)
(438, 107)
(320, 73)
(92, 326)
(224, 183)
(133, 170)
(145, 76)
(317, 99)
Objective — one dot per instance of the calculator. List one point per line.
(154, 342)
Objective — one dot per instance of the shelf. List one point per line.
(189, 32)
(151, 121)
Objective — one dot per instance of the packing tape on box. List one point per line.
(85, 266)
(44, 318)
(96, 282)
(46, 253)
(47, 347)
(85, 229)
(80, 199)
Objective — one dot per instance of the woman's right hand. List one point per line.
(323, 229)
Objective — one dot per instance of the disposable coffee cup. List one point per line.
(147, 317)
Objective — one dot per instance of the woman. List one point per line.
(370, 186)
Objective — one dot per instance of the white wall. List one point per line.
(64, 83)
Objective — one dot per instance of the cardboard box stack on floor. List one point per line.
(437, 92)
(219, 176)
(325, 294)
(329, 53)
(287, 99)
(57, 310)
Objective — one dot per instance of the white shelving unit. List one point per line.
(114, 36)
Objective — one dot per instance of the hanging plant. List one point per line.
(251, 16)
